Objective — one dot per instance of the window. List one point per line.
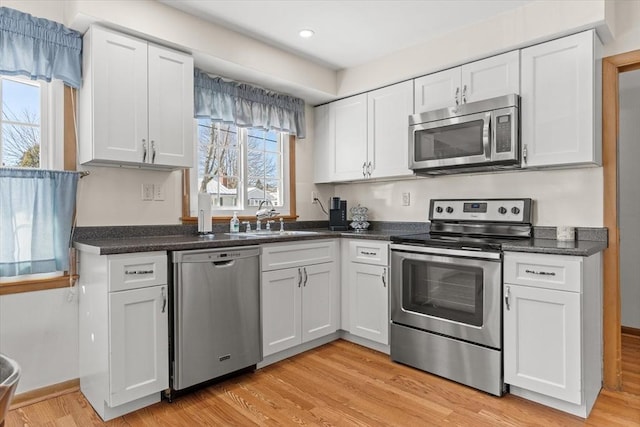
(240, 168)
(22, 139)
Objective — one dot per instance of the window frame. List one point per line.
(189, 182)
(59, 128)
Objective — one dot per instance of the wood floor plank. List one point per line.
(338, 384)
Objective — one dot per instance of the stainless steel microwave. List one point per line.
(480, 135)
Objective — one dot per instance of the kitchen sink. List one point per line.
(274, 233)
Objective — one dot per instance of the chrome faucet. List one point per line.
(265, 213)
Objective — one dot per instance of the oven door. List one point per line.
(452, 292)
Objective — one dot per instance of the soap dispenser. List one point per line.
(234, 224)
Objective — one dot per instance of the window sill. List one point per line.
(9, 288)
(226, 219)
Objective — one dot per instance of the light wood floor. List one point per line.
(339, 384)
(631, 363)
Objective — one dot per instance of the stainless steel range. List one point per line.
(446, 289)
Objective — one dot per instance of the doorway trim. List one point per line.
(612, 66)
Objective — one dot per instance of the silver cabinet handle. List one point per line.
(305, 276)
(299, 277)
(384, 277)
(369, 170)
(164, 300)
(506, 298)
(130, 272)
(144, 151)
(464, 94)
(541, 273)
(524, 153)
(457, 96)
(153, 151)
(364, 173)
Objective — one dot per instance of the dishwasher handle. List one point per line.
(226, 263)
(221, 257)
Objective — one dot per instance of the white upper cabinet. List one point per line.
(488, 78)
(136, 103)
(388, 123)
(437, 90)
(364, 136)
(560, 102)
(350, 132)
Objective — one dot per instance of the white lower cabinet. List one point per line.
(300, 302)
(366, 278)
(553, 329)
(123, 331)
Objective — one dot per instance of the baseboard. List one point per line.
(44, 393)
(630, 331)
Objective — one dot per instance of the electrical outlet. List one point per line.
(158, 192)
(314, 197)
(147, 192)
(406, 199)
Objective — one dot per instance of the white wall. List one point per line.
(629, 201)
(571, 197)
(40, 331)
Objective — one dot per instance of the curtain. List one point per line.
(36, 218)
(39, 48)
(247, 106)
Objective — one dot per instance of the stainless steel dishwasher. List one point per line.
(216, 313)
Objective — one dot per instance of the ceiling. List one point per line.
(347, 33)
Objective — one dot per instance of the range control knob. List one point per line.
(515, 210)
(439, 209)
(449, 209)
(502, 210)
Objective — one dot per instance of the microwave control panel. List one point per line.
(503, 133)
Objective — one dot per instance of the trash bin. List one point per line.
(9, 376)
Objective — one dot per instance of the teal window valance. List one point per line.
(247, 106)
(39, 48)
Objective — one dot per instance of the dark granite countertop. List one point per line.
(556, 247)
(128, 239)
(119, 245)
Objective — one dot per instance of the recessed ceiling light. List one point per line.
(305, 34)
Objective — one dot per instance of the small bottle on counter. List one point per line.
(234, 224)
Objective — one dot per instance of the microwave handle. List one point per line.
(487, 135)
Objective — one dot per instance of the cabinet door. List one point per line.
(139, 343)
(542, 341)
(369, 302)
(437, 90)
(491, 77)
(320, 300)
(388, 123)
(281, 310)
(171, 119)
(119, 68)
(558, 89)
(322, 144)
(350, 144)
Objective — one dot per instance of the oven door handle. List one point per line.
(445, 251)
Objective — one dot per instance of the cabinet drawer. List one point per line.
(132, 271)
(558, 272)
(369, 252)
(288, 255)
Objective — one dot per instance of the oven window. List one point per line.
(447, 142)
(446, 291)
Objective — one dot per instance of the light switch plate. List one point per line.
(406, 199)
(158, 192)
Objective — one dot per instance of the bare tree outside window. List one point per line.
(239, 167)
(20, 131)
